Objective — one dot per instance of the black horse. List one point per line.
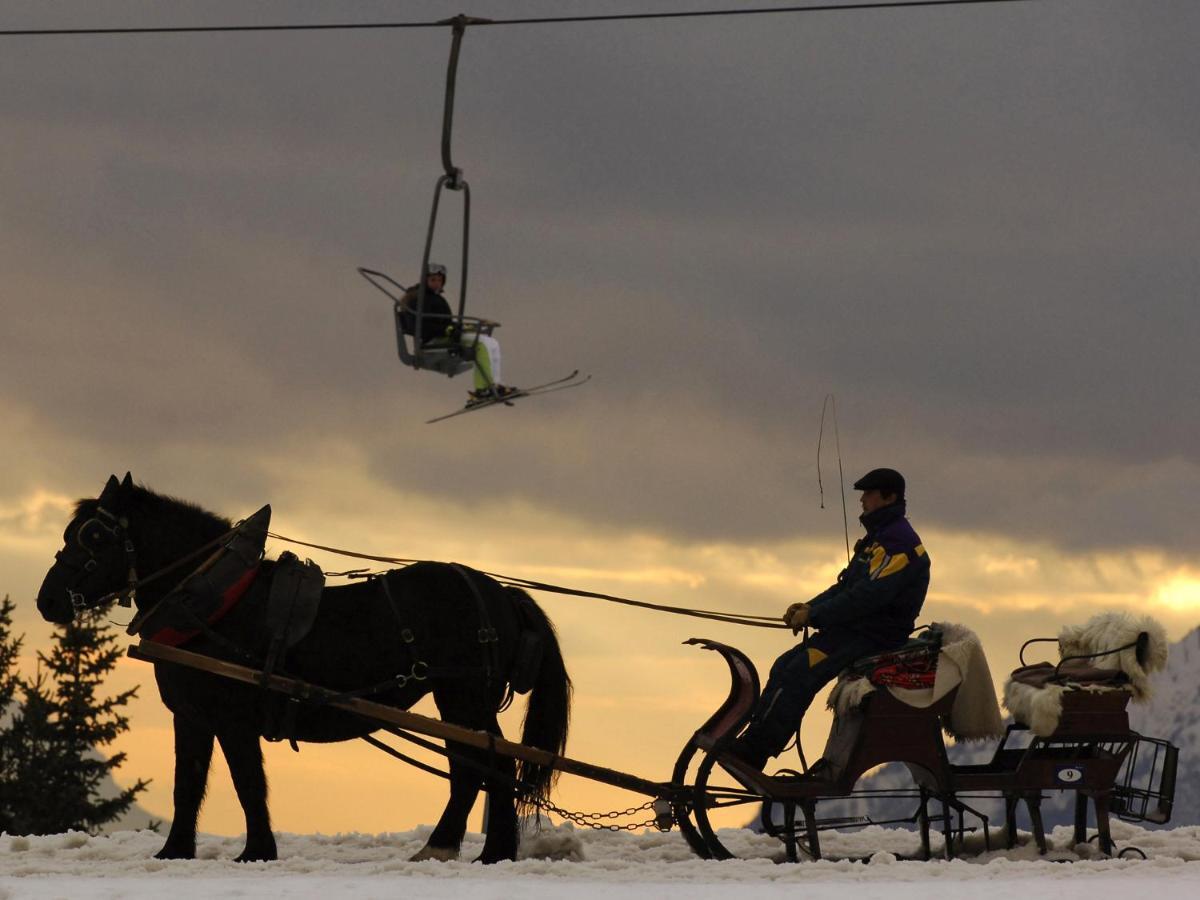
(360, 638)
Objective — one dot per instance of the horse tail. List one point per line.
(548, 713)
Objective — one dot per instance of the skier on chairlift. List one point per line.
(444, 330)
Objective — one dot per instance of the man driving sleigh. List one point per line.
(872, 608)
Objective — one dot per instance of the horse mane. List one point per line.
(181, 514)
(168, 526)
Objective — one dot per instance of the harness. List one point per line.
(213, 589)
(421, 670)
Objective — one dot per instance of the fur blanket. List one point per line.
(1041, 708)
(975, 714)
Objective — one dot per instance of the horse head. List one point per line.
(96, 558)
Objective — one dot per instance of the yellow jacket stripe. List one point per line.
(884, 564)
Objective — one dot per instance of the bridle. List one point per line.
(90, 531)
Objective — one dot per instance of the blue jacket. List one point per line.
(880, 593)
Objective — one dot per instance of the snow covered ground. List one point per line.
(588, 864)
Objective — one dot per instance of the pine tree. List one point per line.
(52, 767)
(11, 686)
(10, 651)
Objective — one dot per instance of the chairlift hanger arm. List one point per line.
(452, 177)
(458, 26)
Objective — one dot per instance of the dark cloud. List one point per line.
(976, 226)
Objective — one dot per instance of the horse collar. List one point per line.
(212, 590)
(187, 622)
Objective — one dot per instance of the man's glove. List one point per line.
(796, 617)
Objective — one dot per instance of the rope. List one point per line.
(386, 559)
(460, 21)
(732, 618)
(528, 584)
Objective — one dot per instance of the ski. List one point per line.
(549, 387)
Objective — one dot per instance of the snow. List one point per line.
(589, 864)
(565, 863)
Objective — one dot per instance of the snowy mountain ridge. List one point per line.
(1173, 714)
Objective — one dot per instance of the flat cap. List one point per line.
(889, 481)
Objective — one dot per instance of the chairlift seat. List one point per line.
(442, 354)
(438, 355)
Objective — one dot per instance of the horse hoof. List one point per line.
(489, 859)
(248, 856)
(441, 854)
(169, 852)
(260, 853)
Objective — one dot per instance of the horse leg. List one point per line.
(193, 753)
(243, 752)
(446, 837)
(503, 829)
(478, 712)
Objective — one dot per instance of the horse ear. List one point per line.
(127, 484)
(110, 488)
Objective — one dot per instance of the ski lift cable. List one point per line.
(464, 21)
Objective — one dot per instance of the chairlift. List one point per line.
(450, 352)
(447, 355)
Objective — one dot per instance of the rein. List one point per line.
(125, 595)
(527, 584)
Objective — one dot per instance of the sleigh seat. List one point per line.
(1103, 664)
(946, 658)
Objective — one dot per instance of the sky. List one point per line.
(975, 227)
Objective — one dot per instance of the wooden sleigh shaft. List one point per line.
(149, 651)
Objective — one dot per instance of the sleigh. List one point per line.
(1086, 747)
(1089, 749)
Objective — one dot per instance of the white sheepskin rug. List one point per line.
(975, 715)
(1116, 629)
(1041, 708)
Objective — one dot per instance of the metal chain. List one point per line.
(593, 820)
